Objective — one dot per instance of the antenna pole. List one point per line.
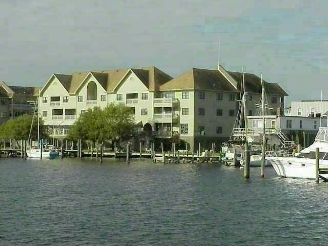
(219, 55)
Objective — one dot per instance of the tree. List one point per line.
(98, 125)
(21, 127)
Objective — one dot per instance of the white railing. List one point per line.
(165, 100)
(91, 102)
(57, 117)
(54, 103)
(162, 116)
(256, 131)
(70, 117)
(131, 101)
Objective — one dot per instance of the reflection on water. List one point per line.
(83, 202)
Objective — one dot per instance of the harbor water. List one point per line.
(85, 202)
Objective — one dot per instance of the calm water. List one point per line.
(73, 202)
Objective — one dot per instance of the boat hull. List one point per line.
(46, 154)
(293, 167)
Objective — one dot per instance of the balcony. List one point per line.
(70, 117)
(91, 102)
(165, 102)
(162, 134)
(54, 104)
(131, 101)
(57, 117)
(166, 118)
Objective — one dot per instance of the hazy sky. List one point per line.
(286, 40)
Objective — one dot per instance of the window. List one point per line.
(144, 96)
(201, 130)
(44, 99)
(3, 115)
(103, 98)
(218, 129)
(185, 95)
(65, 99)
(231, 112)
(80, 98)
(299, 111)
(144, 111)
(44, 114)
(315, 124)
(274, 100)
(289, 124)
(184, 128)
(219, 96)
(231, 97)
(185, 111)
(201, 95)
(301, 124)
(250, 112)
(119, 97)
(219, 112)
(201, 111)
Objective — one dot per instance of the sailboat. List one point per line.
(256, 156)
(40, 151)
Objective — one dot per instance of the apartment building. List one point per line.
(198, 106)
(16, 101)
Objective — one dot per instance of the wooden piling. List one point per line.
(317, 170)
(263, 156)
(163, 153)
(25, 146)
(41, 148)
(140, 150)
(128, 153)
(101, 152)
(62, 151)
(246, 161)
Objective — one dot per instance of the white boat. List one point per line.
(255, 160)
(303, 165)
(38, 152)
(46, 153)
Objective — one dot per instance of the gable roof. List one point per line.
(6, 90)
(200, 79)
(65, 80)
(253, 84)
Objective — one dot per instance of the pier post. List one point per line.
(263, 155)
(22, 148)
(128, 153)
(246, 161)
(140, 151)
(62, 151)
(25, 146)
(317, 165)
(101, 152)
(41, 148)
(163, 154)
(199, 149)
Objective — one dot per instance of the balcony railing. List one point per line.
(55, 103)
(70, 117)
(131, 101)
(91, 102)
(57, 117)
(166, 117)
(165, 100)
(162, 133)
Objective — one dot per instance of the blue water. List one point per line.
(74, 202)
